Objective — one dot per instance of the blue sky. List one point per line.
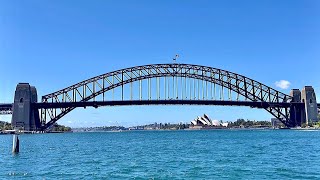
(54, 44)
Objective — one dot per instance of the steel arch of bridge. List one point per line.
(92, 88)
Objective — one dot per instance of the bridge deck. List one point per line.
(7, 108)
(255, 104)
(5, 105)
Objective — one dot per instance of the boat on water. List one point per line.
(284, 128)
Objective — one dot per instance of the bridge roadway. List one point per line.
(7, 108)
(97, 104)
(154, 102)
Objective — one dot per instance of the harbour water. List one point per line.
(212, 154)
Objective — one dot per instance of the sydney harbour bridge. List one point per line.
(160, 84)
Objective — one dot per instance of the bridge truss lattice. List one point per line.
(166, 82)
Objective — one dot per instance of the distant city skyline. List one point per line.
(54, 44)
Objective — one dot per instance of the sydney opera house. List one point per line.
(205, 121)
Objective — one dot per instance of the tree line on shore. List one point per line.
(249, 123)
(238, 123)
(60, 128)
(5, 126)
(56, 127)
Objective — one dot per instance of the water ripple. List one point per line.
(220, 154)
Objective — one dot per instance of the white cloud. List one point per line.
(283, 84)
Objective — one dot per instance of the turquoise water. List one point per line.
(215, 154)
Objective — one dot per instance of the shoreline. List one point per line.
(187, 129)
(203, 129)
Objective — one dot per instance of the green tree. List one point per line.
(5, 126)
(60, 128)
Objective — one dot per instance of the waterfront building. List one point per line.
(205, 121)
(276, 123)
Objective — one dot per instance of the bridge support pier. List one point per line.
(24, 116)
(296, 110)
(308, 97)
(308, 111)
